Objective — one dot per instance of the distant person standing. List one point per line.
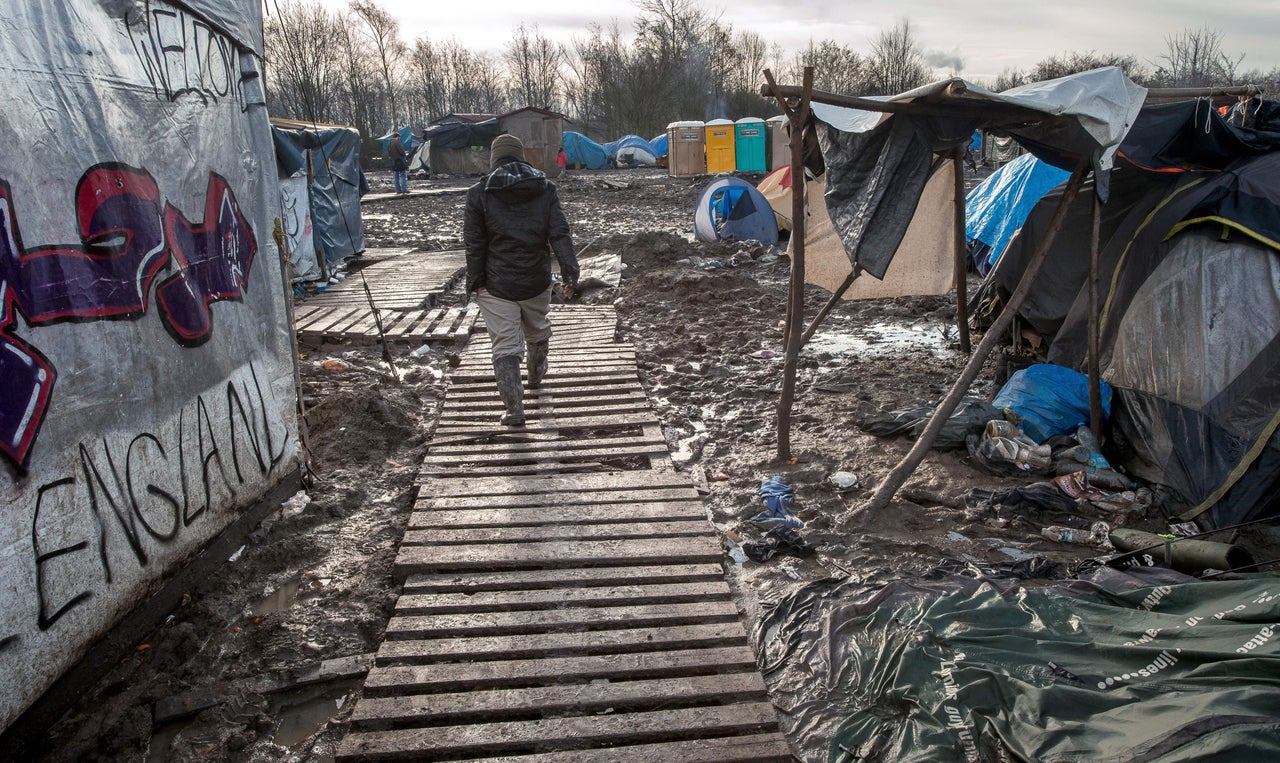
(562, 161)
(512, 225)
(399, 164)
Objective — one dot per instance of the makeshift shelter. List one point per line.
(583, 152)
(776, 188)
(779, 141)
(631, 151)
(461, 147)
(884, 158)
(731, 209)
(147, 370)
(407, 139)
(996, 207)
(750, 145)
(331, 155)
(539, 130)
(659, 144)
(685, 149)
(720, 146)
(1190, 309)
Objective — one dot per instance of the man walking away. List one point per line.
(513, 222)
(399, 164)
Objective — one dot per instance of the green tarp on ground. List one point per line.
(1143, 666)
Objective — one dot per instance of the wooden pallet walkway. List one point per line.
(404, 286)
(564, 598)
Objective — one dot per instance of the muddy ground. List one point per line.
(315, 581)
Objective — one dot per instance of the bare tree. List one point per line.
(303, 78)
(836, 68)
(533, 68)
(1194, 58)
(897, 63)
(426, 91)
(359, 78)
(383, 32)
(1009, 78)
(1074, 63)
(668, 27)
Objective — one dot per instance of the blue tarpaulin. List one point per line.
(406, 138)
(998, 206)
(1051, 400)
(631, 150)
(337, 182)
(659, 145)
(583, 151)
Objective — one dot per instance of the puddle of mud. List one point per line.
(299, 721)
(278, 600)
(885, 338)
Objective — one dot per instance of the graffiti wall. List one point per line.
(146, 372)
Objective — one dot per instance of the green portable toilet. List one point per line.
(749, 144)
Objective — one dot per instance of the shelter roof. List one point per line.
(535, 110)
(461, 118)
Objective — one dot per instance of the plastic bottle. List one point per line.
(1067, 535)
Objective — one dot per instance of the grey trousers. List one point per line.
(511, 323)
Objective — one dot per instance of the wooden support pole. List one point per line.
(1095, 373)
(961, 259)
(797, 118)
(895, 479)
(831, 303)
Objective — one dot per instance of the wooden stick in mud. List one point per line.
(796, 118)
(962, 265)
(831, 303)
(894, 480)
(1095, 373)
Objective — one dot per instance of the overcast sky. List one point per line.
(983, 38)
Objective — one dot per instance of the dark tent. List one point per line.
(731, 209)
(1189, 284)
(461, 148)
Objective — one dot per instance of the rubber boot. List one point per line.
(537, 362)
(506, 371)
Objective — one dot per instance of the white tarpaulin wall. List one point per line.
(146, 376)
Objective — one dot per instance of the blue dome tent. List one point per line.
(731, 209)
(632, 151)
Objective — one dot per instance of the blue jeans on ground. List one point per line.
(401, 179)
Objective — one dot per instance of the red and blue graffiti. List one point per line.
(128, 236)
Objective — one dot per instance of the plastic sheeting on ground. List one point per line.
(969, 418)
(1147, 665)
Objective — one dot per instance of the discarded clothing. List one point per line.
(969, 417)
(777, 494)
(780, 540)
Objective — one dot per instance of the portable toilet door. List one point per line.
(685, 154)
(720, 153)
(779, 142)
(749, 144)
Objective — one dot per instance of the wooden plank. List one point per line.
(613, 421)
(538, 446)
(511, 601)
(534, 398)
(591, 498)
(500, 704)
(449, 677)
(603, 407)
(444, 536)
(568, 618)
(566, 515)
(557, 554)
(752, 748)
(560, 485)
(587, 576)
(525, 646)
(521, 736)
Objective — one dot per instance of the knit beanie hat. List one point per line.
(504, 146)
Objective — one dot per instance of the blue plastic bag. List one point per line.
(1051, 400)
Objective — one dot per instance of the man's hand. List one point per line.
(568, 291)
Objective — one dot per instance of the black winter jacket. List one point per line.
(513, 220)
